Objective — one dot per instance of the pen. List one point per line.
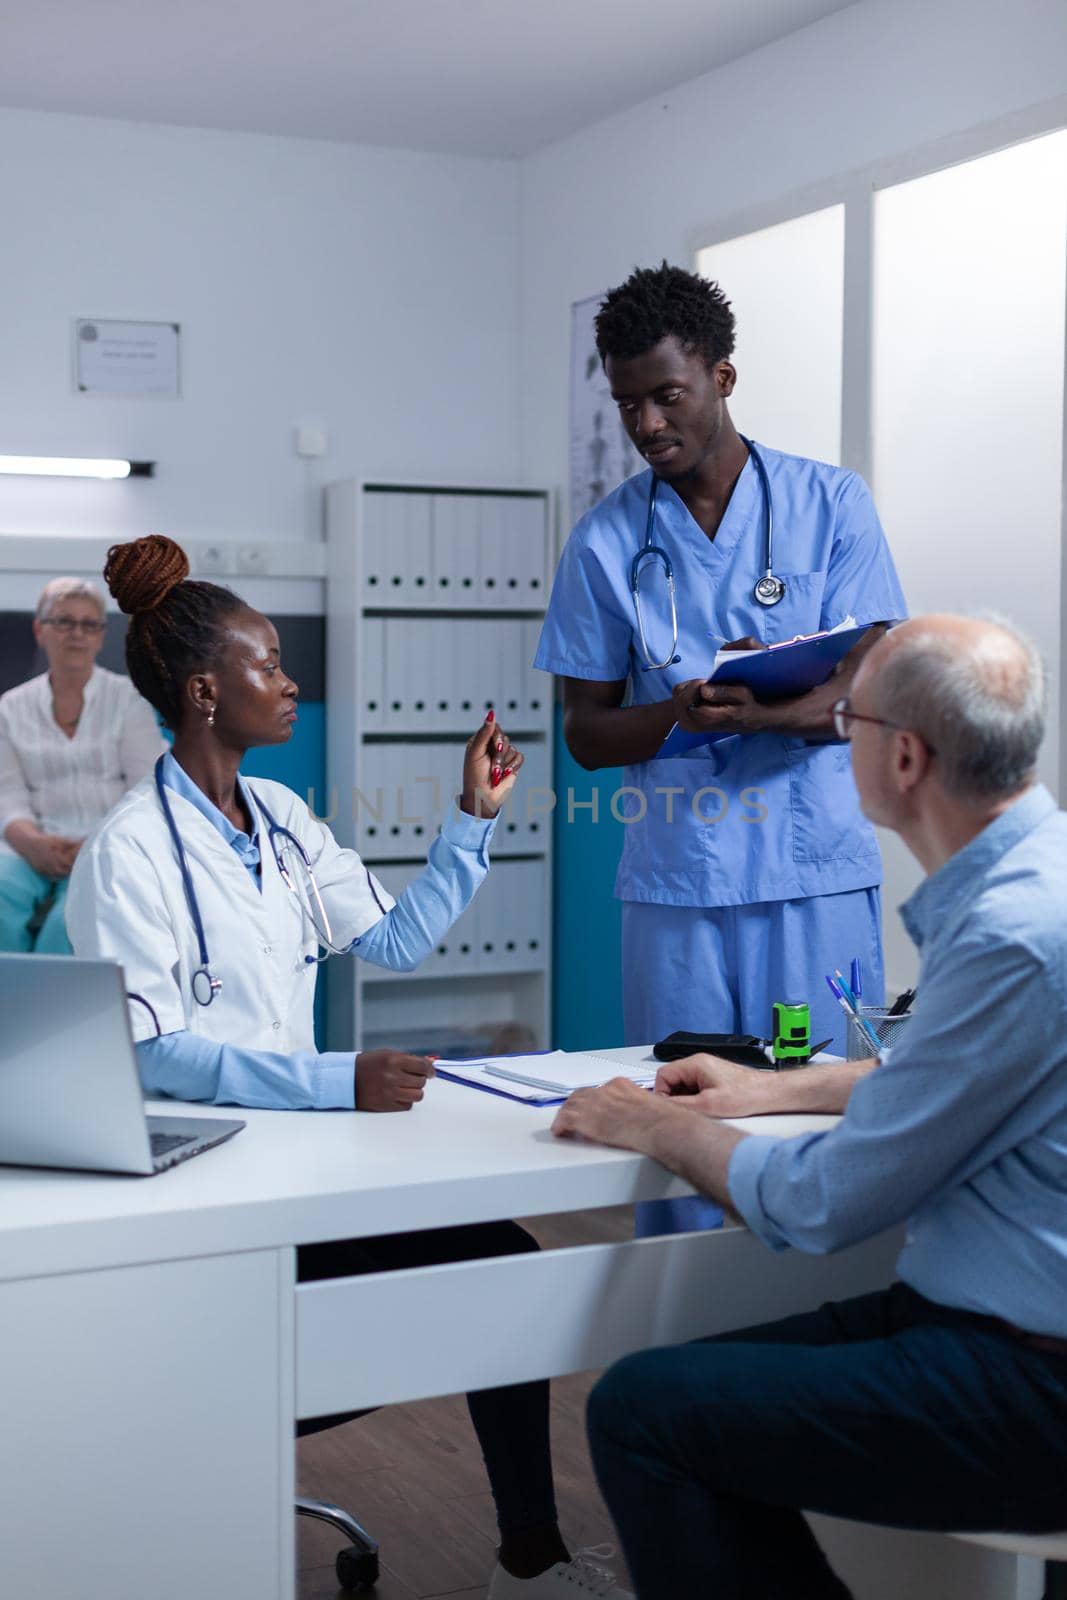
(861, 1020)
(857, 978)
(837, 989)
(902, 1004)
(847, 990)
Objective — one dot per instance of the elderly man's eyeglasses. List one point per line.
(843, 714)
(74, 624)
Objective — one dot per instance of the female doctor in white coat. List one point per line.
(183, 884)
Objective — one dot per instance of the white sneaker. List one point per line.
(567, 1580)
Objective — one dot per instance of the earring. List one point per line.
(211, 718)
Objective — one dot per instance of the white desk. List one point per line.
(155, 1350)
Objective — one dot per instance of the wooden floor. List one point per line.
(413, 1476)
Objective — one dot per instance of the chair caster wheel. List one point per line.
(356, 1569)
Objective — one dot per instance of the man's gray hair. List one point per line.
(979, 702)
(56, 590)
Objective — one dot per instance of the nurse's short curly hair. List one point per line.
(177, 626)
(656, 303)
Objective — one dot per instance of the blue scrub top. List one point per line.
(756, 817)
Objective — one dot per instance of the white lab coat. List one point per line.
(126, 903)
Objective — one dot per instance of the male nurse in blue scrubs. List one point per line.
(748, 871)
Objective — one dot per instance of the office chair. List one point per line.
(356, 1565)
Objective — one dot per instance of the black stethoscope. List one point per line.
(767, 591)
(205, 985)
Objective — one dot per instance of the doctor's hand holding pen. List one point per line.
(490, 765)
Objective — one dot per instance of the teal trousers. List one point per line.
(31, 909)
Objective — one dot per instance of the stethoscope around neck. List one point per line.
(767, 591)
(205, 985)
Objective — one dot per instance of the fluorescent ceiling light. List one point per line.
(75, 467)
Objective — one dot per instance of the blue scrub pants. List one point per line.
(886, 1409)
(720, 969)
(22, 893)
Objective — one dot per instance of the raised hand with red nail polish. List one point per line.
(490, 766)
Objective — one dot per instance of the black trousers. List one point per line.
(887, 1408)
(512, 1422)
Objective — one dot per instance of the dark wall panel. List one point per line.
(302, 640)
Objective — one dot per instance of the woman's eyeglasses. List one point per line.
(74, 624)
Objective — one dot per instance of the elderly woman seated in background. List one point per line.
(72, 741)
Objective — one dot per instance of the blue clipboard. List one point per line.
(499, 1085)
(505, 1094)
(781, 672)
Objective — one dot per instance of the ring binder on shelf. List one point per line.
(431, 599)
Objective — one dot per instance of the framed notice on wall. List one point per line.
(138, 359)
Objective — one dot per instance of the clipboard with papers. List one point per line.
(544, 1079)
(778, 672)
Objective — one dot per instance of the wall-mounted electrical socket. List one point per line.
(212, 559)
(253, 559)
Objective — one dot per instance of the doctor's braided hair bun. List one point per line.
(657, 302)
(177, 626)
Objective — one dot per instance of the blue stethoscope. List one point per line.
(768, 589)
(205, 985)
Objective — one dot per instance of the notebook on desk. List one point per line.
(70, 1095)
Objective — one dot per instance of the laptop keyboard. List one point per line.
(162, 1142)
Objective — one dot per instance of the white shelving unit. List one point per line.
(434, 600)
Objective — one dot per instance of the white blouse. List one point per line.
(67, 785)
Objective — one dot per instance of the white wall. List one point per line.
(865, 85)
(870, 82)
(371, 292)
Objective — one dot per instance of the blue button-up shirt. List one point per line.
(962, 1129)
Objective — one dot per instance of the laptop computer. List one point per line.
(70, 1095)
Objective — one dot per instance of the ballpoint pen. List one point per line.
(857, 978)
(902, 1004)
(837, 987)
(861, 1020)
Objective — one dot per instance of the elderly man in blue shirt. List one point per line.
(939, 1402)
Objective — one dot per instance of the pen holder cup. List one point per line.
(888, 1029)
